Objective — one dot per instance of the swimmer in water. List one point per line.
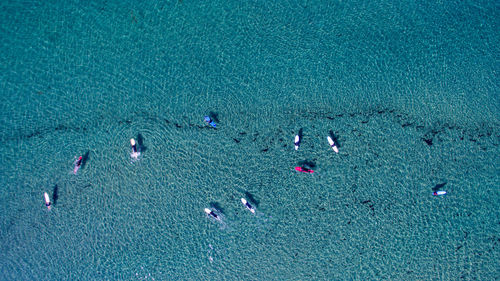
(297, 142)
(210, 121)
(134, 153)
(249, 207)
(212, 214)
(78, 163)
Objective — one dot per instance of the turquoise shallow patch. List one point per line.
(409, 90)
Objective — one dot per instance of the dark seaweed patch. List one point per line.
(427, 141)
(371, 206)
(128, 122)
(36, 133)
(60, 127)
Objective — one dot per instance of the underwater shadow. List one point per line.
(55, 194)
(307, 163)
(438, 186)
(217, 206)
(85, 158)
(140, 143)
(214, 116)
(251, 199)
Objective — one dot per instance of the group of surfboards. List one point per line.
(333, 145)
(136, 153)
(76, 166)
(217, 217)
(336, 149)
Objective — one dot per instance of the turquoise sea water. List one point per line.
(410, 90)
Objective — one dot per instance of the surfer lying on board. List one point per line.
(249, 207)
(47, 200)
(212, 214)
(297, 142)
(304, 170)
(135, 153)
(78, 163)
(332, 144)
(210, 121)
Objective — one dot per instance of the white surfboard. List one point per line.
(332, 144)
(47, 200)
(248, 206)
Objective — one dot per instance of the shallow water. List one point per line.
(409, 90)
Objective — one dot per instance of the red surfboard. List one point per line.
(304, 170)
